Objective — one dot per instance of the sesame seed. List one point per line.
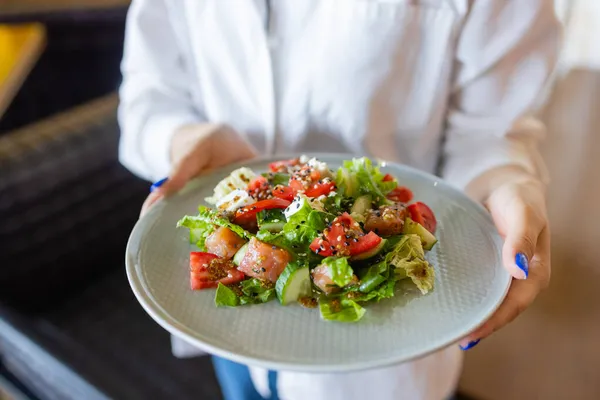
(339, 238)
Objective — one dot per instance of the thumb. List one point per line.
(520, 243)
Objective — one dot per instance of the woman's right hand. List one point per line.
(198, 148)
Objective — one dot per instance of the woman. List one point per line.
(443, 85)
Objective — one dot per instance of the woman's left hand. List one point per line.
(519, 212)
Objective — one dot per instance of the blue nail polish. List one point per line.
(157, 184)
(470, 345)
(523, 263)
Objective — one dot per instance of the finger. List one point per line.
(186, 169)
(224, 146)
(522, 236)
(521, 294)
(150, 200)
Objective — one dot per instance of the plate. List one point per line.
(470, 284)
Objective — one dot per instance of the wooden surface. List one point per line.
(15, 7)
(553, 350)
(20, 48)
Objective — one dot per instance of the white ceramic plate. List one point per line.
(470, 283)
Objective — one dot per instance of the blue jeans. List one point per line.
(236, 383)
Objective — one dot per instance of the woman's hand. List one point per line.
(195, 149)
(518, 208)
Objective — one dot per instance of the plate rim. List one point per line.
(171, 325)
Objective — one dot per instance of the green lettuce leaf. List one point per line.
(408, 257)
(225, 297)
(359, 177)
(304, 226)
(203, 224)
(337, 204)
(339, 269)
(255, 291)
(341, 310)
(347, 183)
(199, 230)
(278, 239)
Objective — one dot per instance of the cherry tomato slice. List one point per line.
(319, 189)
(315, 175)
(258, 185)
(421, 213)
(388, 178)
(345, 237)
(245, 215)
(202, 278)
(284, 192)
(314, 189)
(282, 166)
(322, 247)
(365, 243)
(362, 244)
(200, 260)
(296, 185)
(401, 194)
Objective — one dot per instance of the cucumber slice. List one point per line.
(371, 253)
(293, 284)
(427, 238)
(361, 205)
(271, 220)
(237, 258)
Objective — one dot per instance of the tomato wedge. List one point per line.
(315, 188)
(208, 270)
(345, 237)
(282, 166)
(320, 189)
(284, 192)
(247, 215)
(388, 178)
(401, 194)
(258, 185)
(421, 213)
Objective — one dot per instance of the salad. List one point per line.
(304, 233)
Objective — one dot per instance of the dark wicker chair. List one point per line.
(70, 327)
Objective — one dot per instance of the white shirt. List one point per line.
(412, 81)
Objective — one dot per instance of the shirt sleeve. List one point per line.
(505, 57)
(155, 96)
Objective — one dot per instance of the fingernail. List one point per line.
(470, 345)
(523, 263)
(157, 184)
